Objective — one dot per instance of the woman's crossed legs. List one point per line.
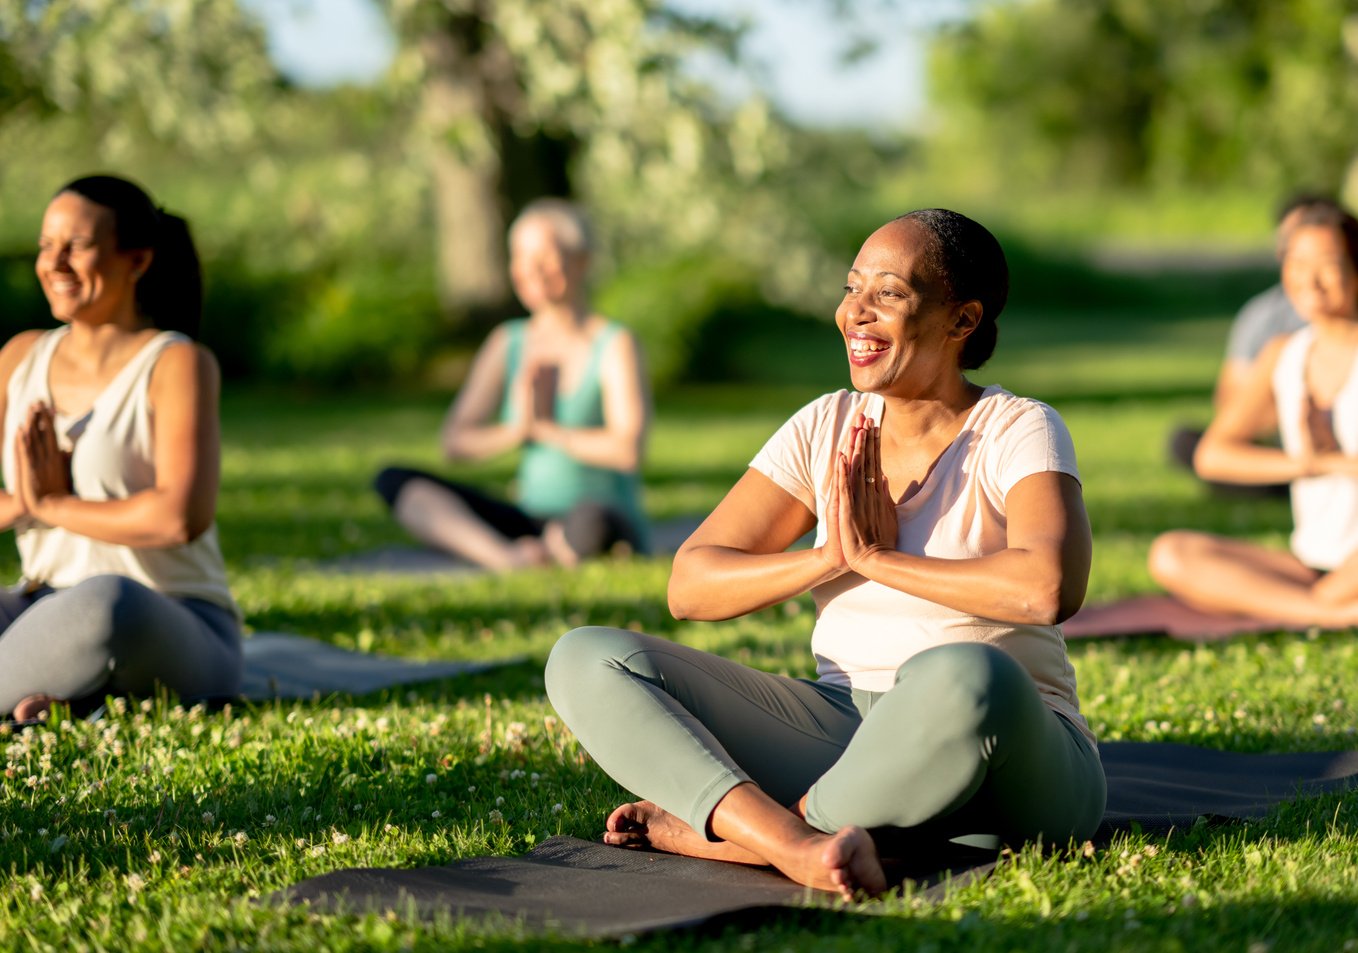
(742, 765)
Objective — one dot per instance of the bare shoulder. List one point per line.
(15, 350)
(185, 363)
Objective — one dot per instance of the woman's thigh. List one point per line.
(964, 744)
(637, 701)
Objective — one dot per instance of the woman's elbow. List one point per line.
(1053, 603)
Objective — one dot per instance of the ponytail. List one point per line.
(170, 294)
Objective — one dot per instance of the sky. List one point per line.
(795, 46)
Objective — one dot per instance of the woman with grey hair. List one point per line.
(564, 386)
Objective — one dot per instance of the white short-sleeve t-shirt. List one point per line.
(864, 630)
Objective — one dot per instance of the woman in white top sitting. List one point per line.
(110, 456)
(950, 540)
(1303, 385)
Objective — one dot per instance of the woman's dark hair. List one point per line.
(1323, 213)
(968, 260)
(170, 294)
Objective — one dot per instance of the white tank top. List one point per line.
(112, 457)
(1324, 508)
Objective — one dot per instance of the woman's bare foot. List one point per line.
(527, 551)
(33, 707)
(645, 824)
(554, 540)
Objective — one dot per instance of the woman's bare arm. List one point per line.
(1227, 451)
(736, 562)
(184, 390)
(1039, 578)
(15, 350)
(469, 432)
(619, 443)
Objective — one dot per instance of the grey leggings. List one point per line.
(961, 747)
(111, 634)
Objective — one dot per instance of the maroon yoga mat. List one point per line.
(1165, 615)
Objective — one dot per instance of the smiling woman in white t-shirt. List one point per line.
(951, 538)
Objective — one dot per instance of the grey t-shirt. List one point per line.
(1264, 317)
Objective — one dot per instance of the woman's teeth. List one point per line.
(859, 346)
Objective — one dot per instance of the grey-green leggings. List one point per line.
(962, 746)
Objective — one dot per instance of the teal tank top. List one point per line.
(549, 481)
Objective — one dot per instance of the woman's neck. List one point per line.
(97, 344)
(916, 417)
(563, 316)
(1340, 331)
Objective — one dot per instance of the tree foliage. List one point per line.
(194, 73)
(1194, 92)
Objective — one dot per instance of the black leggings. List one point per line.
(591, 528)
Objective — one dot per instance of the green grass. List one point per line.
(158, 827)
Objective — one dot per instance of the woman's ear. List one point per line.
(141, 261)
(966, 320)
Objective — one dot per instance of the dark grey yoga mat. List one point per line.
(278, 665)
(572, 886)
(1158, 786)
(578, 887)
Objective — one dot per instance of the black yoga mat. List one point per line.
(278, 665)
(1165, 615)
(577, 887)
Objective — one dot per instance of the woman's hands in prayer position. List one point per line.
(861, 515)
(43, 469)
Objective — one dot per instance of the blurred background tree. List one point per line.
(1256, 93)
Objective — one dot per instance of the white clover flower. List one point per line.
(435, 813)
(135, 882)
(430, 778)
(207, 817)
(338, 837)
(240, 837)
(317, 851)
(35, 892)
(390, 828)
(471, 789)
(557, 808)
(154, 857)
(499, 801)
(496, 817)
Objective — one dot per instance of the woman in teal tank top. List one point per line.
(565, 387)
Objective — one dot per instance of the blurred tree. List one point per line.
(589, 97)
(192, 73)
(1242, 92)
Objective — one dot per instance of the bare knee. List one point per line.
(1174, 554)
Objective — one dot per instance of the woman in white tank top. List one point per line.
(1304, 385)
(110, 455)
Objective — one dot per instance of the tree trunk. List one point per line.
(469, 218)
